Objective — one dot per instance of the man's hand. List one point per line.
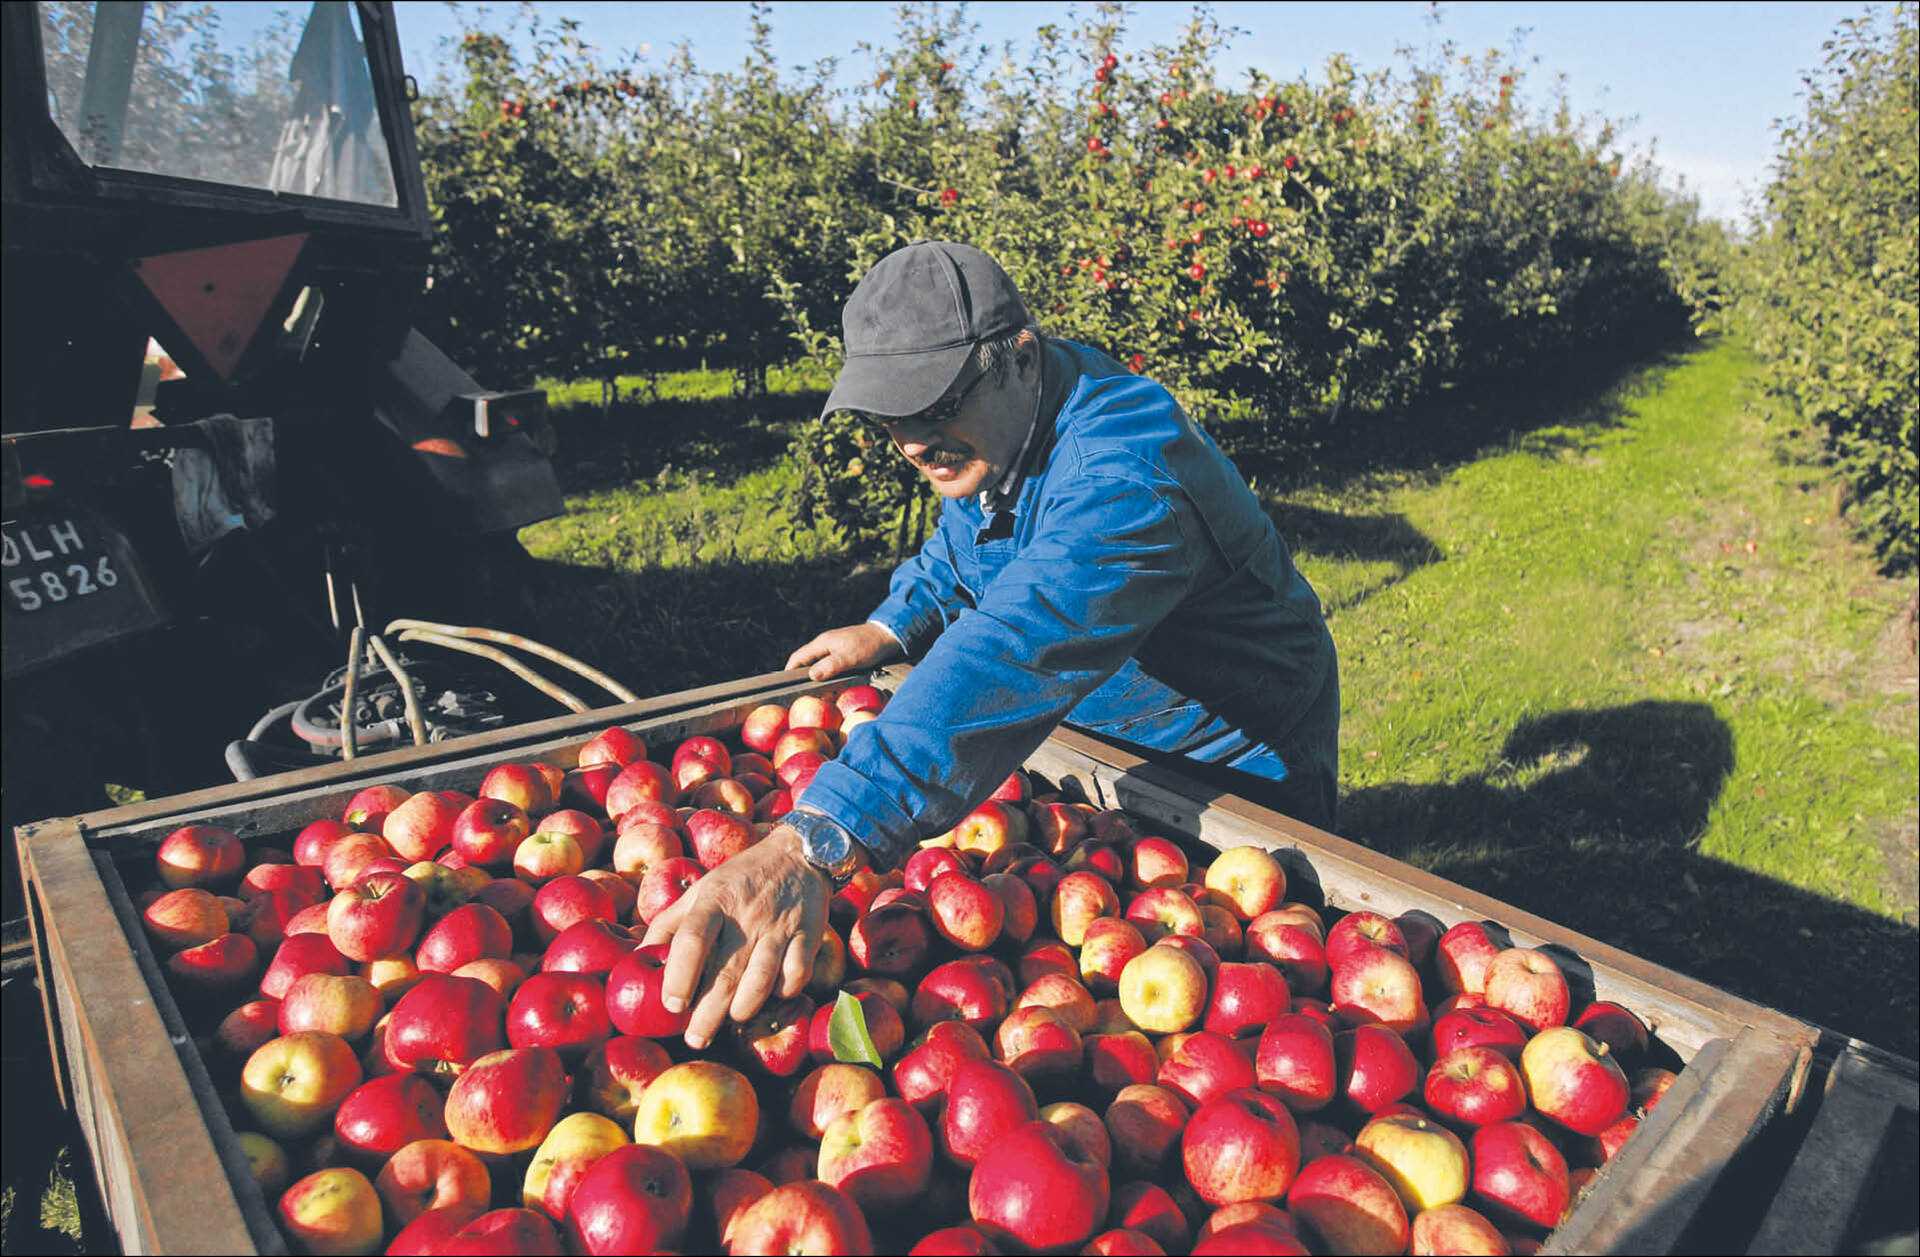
(749, 926)
(845, 650)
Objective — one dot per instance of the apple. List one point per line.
(985, 1101)
(217, 968)
(501, 974)
(642, 781)
(334, 1210)
(444, 1024)
(1648, 1086)
(615, 1074)
(1250, 879)
(587, 787)
(1348, 1207)
(1375, 986)
(200, 855)
(890, 895)
(433, 1174)
(633, 1000)
(582, 827)
(883, 1027)
(1376, 1068)
(1359, 930)
(368, 809)
(339, 1004)
(1244, 1213)
(663, 885)
(613, 745)
(1165, 910)
(814, 745)
(496, 1231)
(523, 785)
(1015, 789)
(1241, 1146)
(471, 932)
(1163, 990)
(1119, 1059)
(763, 726)
(736, 796)
(507, 1101)
(577, 1143)
(1148, 1209)
(298, 955)
(1245, 998)
(293, 1084)
(563, 1011)
(1099, 857)
(1155, 862)
(631, 1199)
(299, 879)
(1108, 946)
(383, 1115)
(890, 940)
(378, 915)
(186, 917)
(1046, 955)
(1072, 1002)
(807, 1217)
(726, 1195)
(1083, 1128)
(1296, 1062)
(266, 1161)
(1250, 1238)
(718, 836)
(641, 848)
(1038, 1044)
(590, 947)
(1424, 1163)
(245, 1028)
(775, 1039)
(566, 900)
(1614, 1025)
(1204, 1066)
(922, 1074)
(965, 912)
(508, 896)
(422, 827)
(541, 857)
(1221, 929)
(1573, 1080)
(311, 844)
(1456, 1229)
(928, 863)
(1038, 1192)
(1475, 1086)
(1145, 1122)
(348, 858)
(1056, 828)
(1529, 985)
(1518, 1175)
(703, 1112)
(992, 827)
(1463, 955)
(881, 1155)
(829, 964)
(1478, 1027)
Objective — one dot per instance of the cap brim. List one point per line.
(896, 385)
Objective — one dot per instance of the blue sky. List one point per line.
(1700, 83)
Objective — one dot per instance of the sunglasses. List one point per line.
(942, 412)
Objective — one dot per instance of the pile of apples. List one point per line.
(436, 1031)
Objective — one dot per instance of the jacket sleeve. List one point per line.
(925, 595)
(1108, 561)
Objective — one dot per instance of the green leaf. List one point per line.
(847, 1033)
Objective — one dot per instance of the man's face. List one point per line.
(965, 449)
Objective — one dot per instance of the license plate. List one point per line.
(72, 580)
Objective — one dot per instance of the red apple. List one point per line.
(633, 995)
(635, 1199)
(1245, 998)
(763, 726)
(718, 836)
(1205, 1066)
(1148, 1209)
(985, 1101)
(1038, 1192)
(590, 947)
(1145, 1122)
(311, 844)
(642, 781)
(506, 1102)
(380, 1117)
(422, 827)
(616, 1072)
(1478, 1027)
(186, 917)
(613, 745)
(1165, 910)
(1648, 1086)
(1373, 985)
(1038, 1044)
(200, 855)
(881, 1154)
(808, 1217)
(1614, 1025)
(1463, 955)
(563, 1011)
(922, 1075)
(341, 1004)
(1475, 1086)
(884, 1027)
(367, 810)
(1155, 862)
(444, 1024)
(1241, 1146)
(889, 940)
(1349, 1207)
(523, 785)
(333, 1210)
(1376, 1068)
(245, 1028)
(1529, 985)
(219, 967)
(967, 913)
(1456, 1229)
(1518, 1175)
(433, 1175)
(1573, 1080)
(566, 900)
(663, 885)
(349, 857)
(471, 932)
(298, 955)
(1108, 946)
(1297, 1062)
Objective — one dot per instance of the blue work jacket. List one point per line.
(1137, 590)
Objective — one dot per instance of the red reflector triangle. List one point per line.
(218, 296)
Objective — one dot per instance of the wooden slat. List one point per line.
(161, 1176)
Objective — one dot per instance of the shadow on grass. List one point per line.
(635, 440)
(1313, 533)
(1592, 819)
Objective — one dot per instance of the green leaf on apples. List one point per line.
(847, 1034)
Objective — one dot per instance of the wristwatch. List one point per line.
(826, 845)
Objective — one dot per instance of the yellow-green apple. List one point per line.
(1297, 1063)
(734, 796)
(922, 1074)
(219, 967)
(376, 916)
(506, 1102)
(881, 1154)
(703, 1112)
(1038, 1044)
(763, 726)
(1348, 1207)
(1049, 955)
(311, 843)
(631, 1199)
(200, 855)
(1117, 1060)
(1529, 985)
(383, 1115)
(1038, 1192)
(1614, 1025)
(642, 781)
(266, 1161)
(348, 858)
(1165, 910)
(884, 1027)
(1649, 1085)
(1375, 986)
(891, 940)
(1244, 1213)
(541, 857)
(341, 1004)
(1106, 949)
(587, 787)
(245, 1028)
(444, 1024)
(617, 1072)
(1071, 1001)
(1478, 1027)
(1155, 862)
(613, 745)
(775, 1040)
(1149, 1209)
(563, 1011)
(1221, 929)
(1359, 930)
(1518, 1175)
(1463, 955)
(634, 1004)
(1424, 1162)
(965, 912)
(1241, 1146)
(422, 827)
(1163, 990)
(566, 900)
(1573, 1080)
(1205, 1066)
(1055, 828)
(807, 1217)
(186, 917)
(717, 836)
(1250, 878)
(1145, 1122)
(367, 810)
(293, 1084)
(829, 964)
(1475, 1086)
(985, 1101)
(663, 884)
(522, 785)
(498, 972)
(1456, 1229)
(1078, 901)
(298, 955)
(473, 931)
(581, 827)
(1296, 950)
(828, 1092)
(331, 1211)
(1246, 996)
(575, 1144)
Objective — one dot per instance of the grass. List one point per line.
(1607, 653)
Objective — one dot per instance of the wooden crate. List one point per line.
(173, 1178)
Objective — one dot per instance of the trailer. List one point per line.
(1775, 1137)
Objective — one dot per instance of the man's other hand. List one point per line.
(845, 650)
(749, 927)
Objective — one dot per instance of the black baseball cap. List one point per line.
(912, 322)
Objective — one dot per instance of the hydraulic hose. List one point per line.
(538, 682)
(527, 644)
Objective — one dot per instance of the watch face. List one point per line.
(825, 843)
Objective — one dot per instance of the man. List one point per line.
(1097, 560)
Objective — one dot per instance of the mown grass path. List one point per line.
(1625, 669)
